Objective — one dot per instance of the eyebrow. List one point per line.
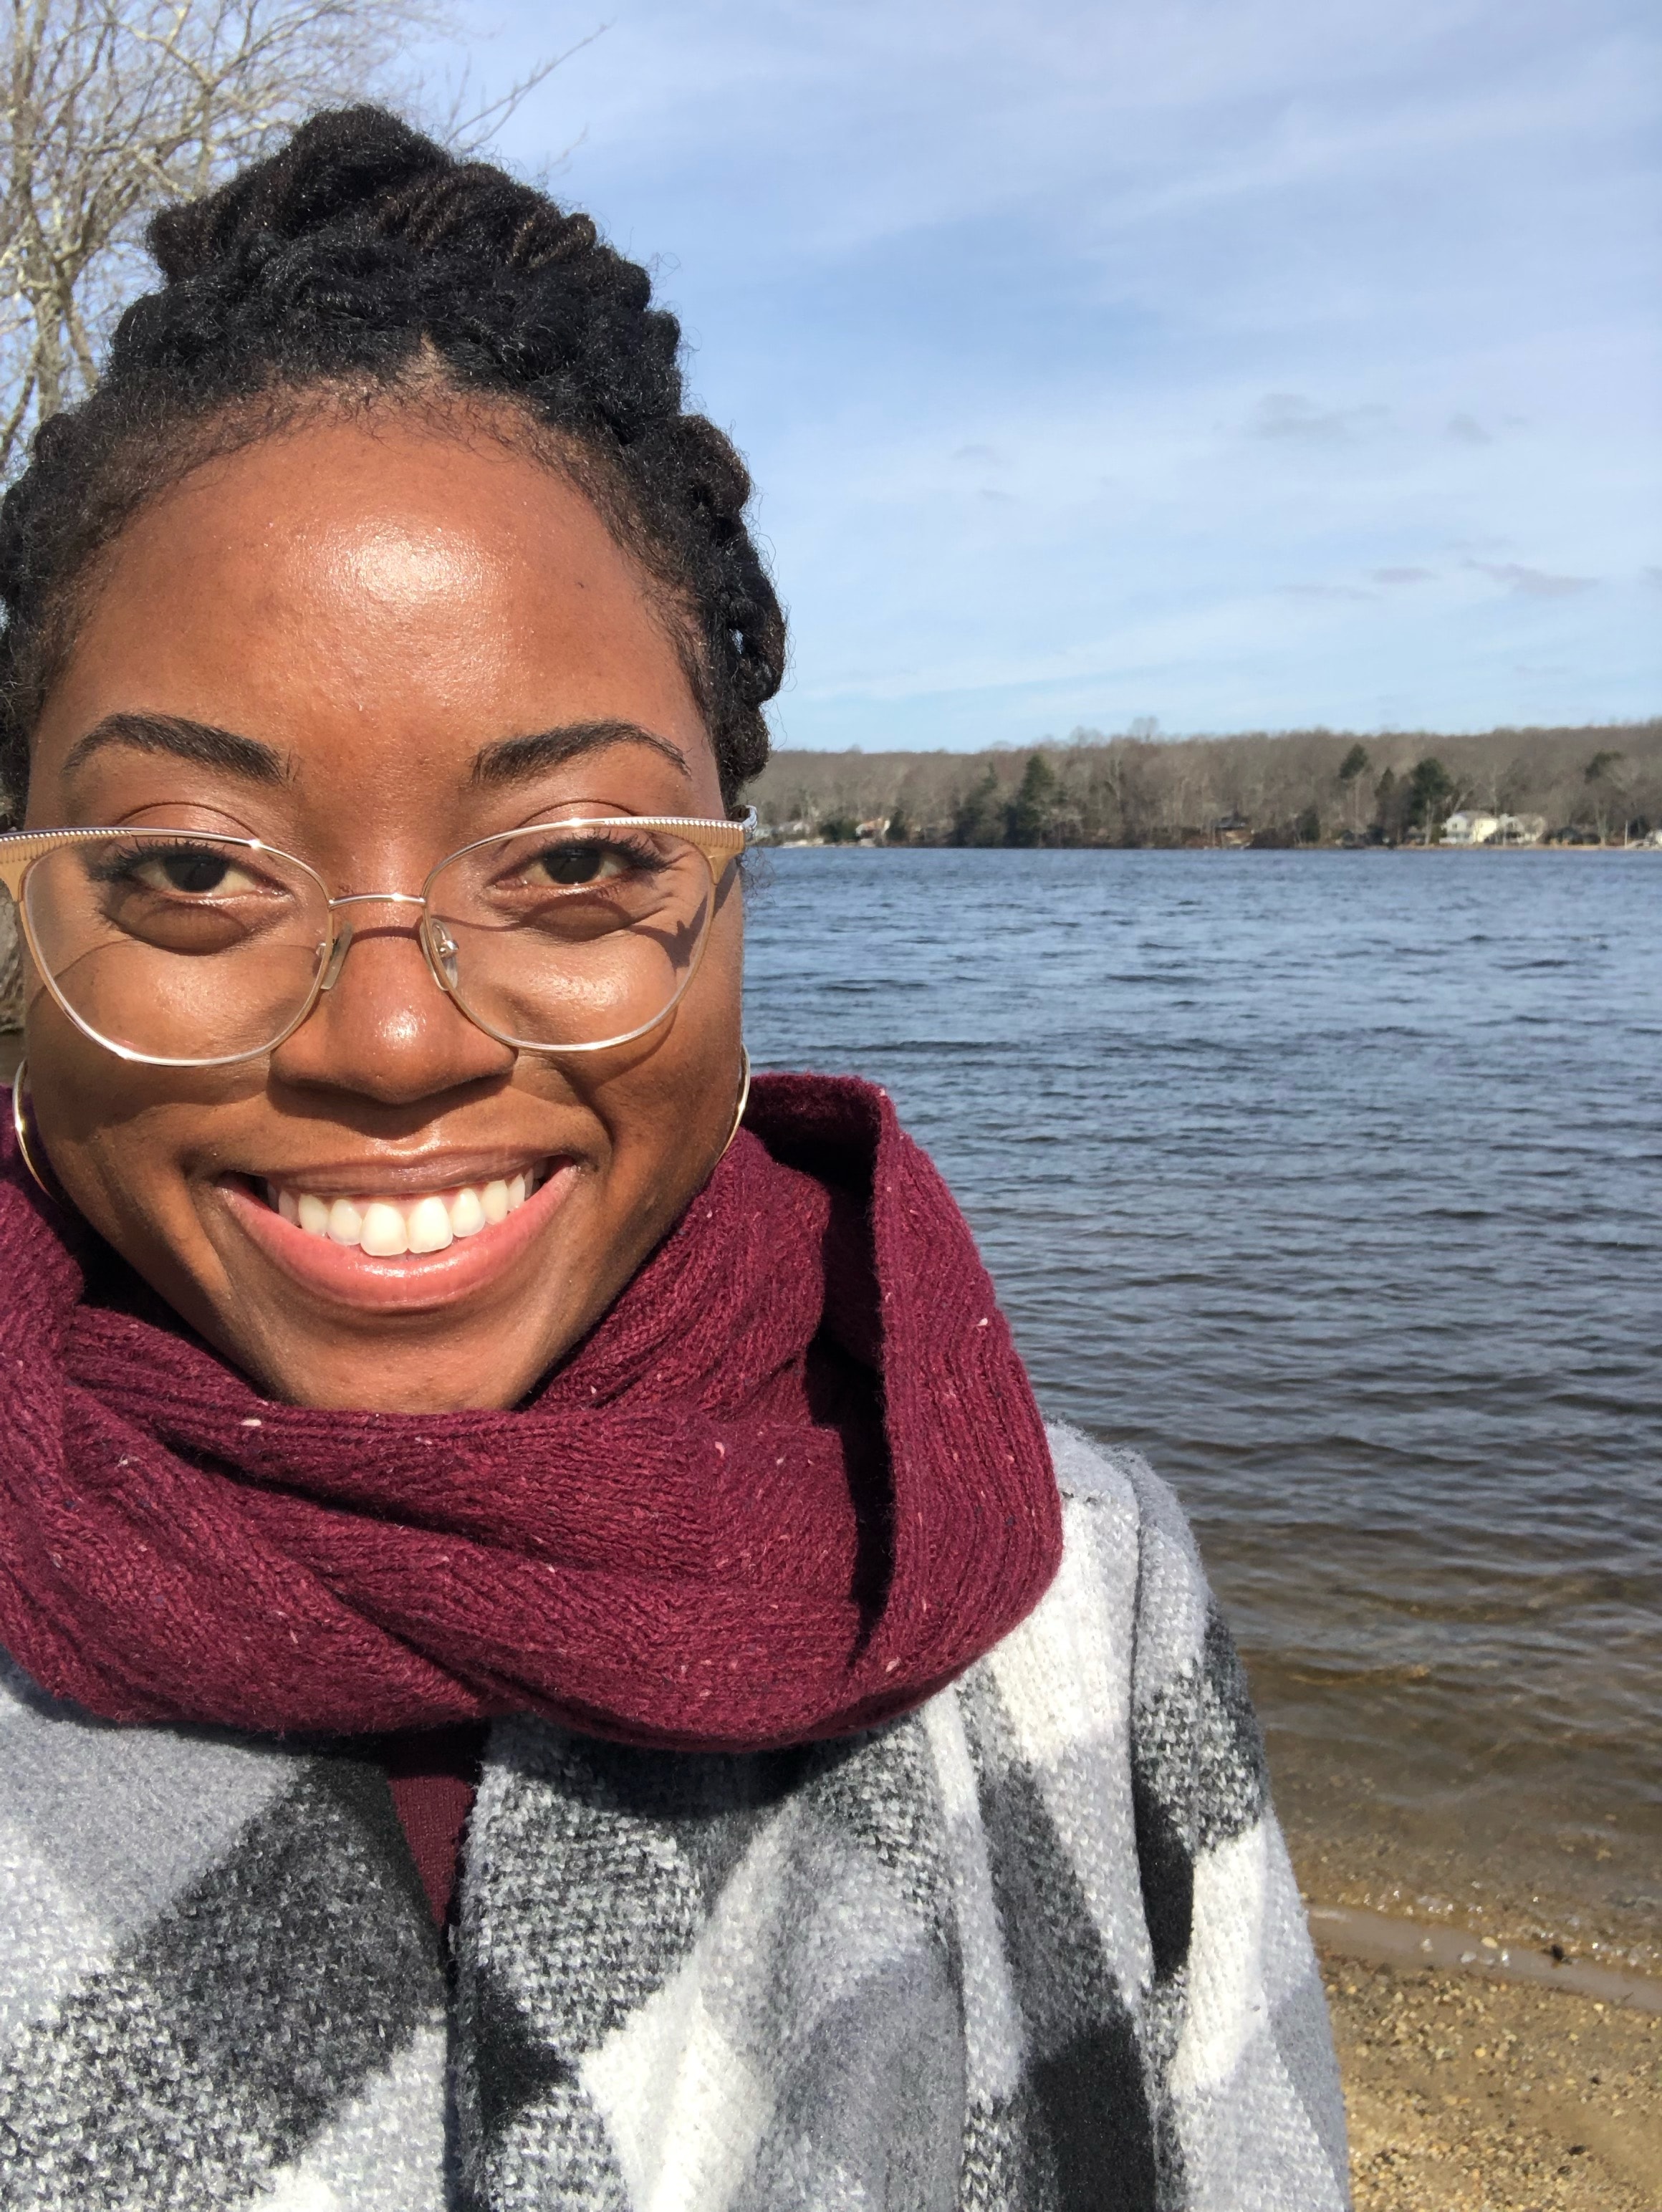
(176, 734)
(512, 760)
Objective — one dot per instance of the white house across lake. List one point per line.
(1471, 827)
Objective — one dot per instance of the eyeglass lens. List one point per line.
(573, 935)
(176, 947)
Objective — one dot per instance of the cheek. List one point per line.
(85, 1099)
(671, 1112)
(123, 1176)
(722, 969)
(117, 1135)
(714, 1011)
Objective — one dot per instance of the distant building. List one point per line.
(1466, 827)
(873, 832)
(1469, 827)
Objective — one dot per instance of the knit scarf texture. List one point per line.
(791, 1485)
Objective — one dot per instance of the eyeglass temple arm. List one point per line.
(19, 847)
(718, 841)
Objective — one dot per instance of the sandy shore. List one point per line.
(1467, 2094)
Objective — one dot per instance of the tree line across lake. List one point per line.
(1598, 784)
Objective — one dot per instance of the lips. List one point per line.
(412, 1249)
(388, 1225)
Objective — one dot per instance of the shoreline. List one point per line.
(1471, 1895)
(1489, 2074)
(1380, 1939)
(765, 844)
(1465, 2093)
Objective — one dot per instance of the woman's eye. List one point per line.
(200, 874)
(571, 866)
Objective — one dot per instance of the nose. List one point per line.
(382, 1027)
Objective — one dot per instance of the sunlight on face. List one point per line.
(415, 572)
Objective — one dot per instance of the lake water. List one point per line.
(1333, 1182)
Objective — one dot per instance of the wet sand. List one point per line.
(1487, 2066)
(1472, 1876)
(1467, 2095)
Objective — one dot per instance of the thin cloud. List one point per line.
(1149, 277)
(1291, 416)
(1323, 592)
(1533, 583)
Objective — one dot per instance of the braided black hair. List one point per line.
(361, 261)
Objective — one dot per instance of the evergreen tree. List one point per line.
(975, 817)
(1027, 816)
(1431, 794)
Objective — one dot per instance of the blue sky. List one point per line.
(1236, 362)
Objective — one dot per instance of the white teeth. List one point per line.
(386, 1232)
(428, 1225)
(467, 1214)
(386, 1228)
(345, 1222)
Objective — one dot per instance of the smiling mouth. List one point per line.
(388, 1227)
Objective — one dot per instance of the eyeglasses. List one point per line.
(186, 950)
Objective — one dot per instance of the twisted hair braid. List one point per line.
(361, 263)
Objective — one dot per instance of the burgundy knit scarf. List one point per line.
(791, 1484)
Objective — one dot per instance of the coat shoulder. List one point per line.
(1101, 1477)
(1127, 1542)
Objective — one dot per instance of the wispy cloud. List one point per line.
(1290, 415)
(1533, 583)
(1180, 281)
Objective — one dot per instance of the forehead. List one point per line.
(375, 601)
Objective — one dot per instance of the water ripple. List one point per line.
(1335, 1183)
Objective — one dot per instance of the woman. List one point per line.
(548, 1665)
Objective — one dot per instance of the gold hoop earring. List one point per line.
(744, 1101)
(20, 1126)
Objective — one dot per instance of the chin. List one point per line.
(467, 1376)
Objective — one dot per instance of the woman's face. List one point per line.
(365, 611)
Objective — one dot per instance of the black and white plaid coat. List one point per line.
(1035, 1948)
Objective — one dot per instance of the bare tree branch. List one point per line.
(467, 134)
(110, 109)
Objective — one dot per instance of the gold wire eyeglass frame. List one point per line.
(720, 843)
